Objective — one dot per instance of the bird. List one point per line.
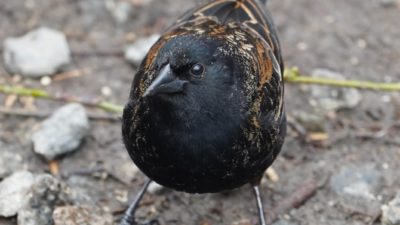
(206, 111)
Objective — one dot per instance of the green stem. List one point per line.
(110, 107)
(38, 93)
(14, 90)
(292, 75)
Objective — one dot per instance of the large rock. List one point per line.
(38, 53)
(136, 52)
(81, 215)
(328, 99)
(391, 212)
(62, 132)
(14, 192)
(41, 201)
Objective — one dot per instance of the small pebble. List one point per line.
(81, 215)
(388, 3)
(385, 166)
(361, 43)
(386, 99)
(329, 19)
(106, 91)
(62, 132)
(45, 81)
(354, 61)
(328, 99)
(391, 212)
(302, 46)
(120, 10)
(155, 188)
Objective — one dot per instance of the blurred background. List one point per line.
(340, 163)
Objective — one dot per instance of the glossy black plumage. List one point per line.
(206, 110)
(226, 128)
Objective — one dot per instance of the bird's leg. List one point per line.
(129, 216)
(257, 194)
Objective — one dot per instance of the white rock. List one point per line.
(40, 52)
(328, 99)
(136, 52)
(14, 191)
(391, 212)
(62, 132)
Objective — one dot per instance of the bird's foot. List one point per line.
(151, 222)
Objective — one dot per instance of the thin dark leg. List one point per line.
(129, 217)
(257, 194)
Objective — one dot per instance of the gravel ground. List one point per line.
(358, 39)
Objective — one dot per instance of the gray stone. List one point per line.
(62, 132)
(10, 160)
(124, 170)
(312, 121)
(82, 190)
(357, 187)
(388, 3)
(155, 188)
(40, 52)
(81, 215)
(357, 181)
(329, 99)
(14, 191)
(136, 52)
(391, 212)
(42, 198)
(285, 222)
(371, 208)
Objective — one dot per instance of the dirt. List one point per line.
(357, 38)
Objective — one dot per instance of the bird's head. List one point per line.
(192, 71)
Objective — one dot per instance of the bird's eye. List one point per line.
(197, 70)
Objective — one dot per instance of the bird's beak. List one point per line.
(165, 83)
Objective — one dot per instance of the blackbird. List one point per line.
(206, 110)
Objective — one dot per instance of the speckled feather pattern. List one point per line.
(249, 39)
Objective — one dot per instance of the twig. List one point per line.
(24, 113)
(38, 93)
(292, 75)
(294, 200)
